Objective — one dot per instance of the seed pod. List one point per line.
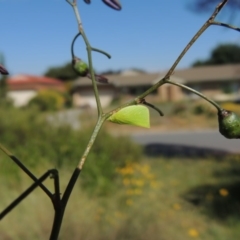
(80, 67)
(229, 124)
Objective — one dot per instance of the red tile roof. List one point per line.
(29, 82)
(29, 79)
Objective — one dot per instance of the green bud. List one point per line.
(80, 67)
(229, 124)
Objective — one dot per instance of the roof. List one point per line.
(24, 81)
(209, 73)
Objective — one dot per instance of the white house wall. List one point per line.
(89, 100)
(21, 98)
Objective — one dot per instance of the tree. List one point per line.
(63, 73)
(222, 54)
(3, 79)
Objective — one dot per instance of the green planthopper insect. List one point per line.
(137, 115)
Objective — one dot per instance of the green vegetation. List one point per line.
(156, 199)
(47, 100)
(222, 54)
(121, 194)
(63, 73)
(38, 143)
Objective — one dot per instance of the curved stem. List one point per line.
(101, 51)
(197, 93)
(153, 107)
(93, 49)
(72, 45)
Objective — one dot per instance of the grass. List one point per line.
(162, 199)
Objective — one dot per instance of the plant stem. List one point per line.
(89, 52)
(59, 213)
(90, 64)
(91, 142)
(226, 25)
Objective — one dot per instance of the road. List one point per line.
(210, 139)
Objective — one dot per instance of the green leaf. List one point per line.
(137, 115)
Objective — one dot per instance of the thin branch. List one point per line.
(72, 44)
(209, 22)
(196, 36)
(26, 193)
(153, 107)
(92, 49)
(101, 51)
(26, 170)
(226, 25)
(197, 93)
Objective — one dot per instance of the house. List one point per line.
(221, 82)
(128, 84)
(22, 88)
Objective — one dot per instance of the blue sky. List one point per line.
(149, 35)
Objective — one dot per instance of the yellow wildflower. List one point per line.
(126, 181)
(154, 184)
(138, 191)
(193, 232)
(129, 202)
(130, 192)
(177, 206)
(138, 182)
(223, 192)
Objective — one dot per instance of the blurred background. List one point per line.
(177, 180)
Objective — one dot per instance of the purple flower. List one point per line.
(3, 70)
(115, 4)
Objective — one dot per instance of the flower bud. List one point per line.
(113, 4)
(80, 67)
